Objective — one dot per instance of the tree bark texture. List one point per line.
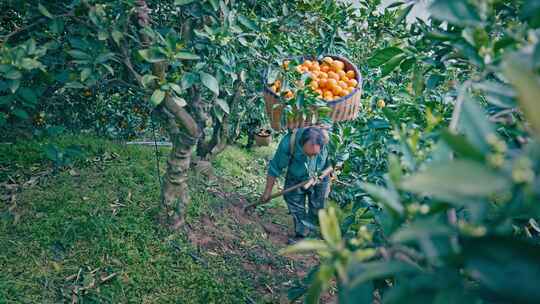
(184, 133)
(174, 189)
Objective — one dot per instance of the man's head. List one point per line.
(312, 140)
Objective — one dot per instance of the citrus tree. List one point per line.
(196, 66)
(440, 195)
(188, 59)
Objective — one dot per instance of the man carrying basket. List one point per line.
(303, 152)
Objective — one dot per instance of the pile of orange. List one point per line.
(329, 79)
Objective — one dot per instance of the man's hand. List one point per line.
(270, 181)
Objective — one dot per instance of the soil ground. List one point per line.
(85, 232)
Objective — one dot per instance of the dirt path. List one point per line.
(256, 239)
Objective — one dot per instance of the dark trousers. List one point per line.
(296, 202)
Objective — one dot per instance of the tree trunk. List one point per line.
(184, 134)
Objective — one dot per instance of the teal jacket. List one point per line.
(300, 163)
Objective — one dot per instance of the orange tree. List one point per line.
(441, 197)
(186, 58)
(197, 64)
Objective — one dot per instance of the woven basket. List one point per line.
(343, 109)
(263, 141)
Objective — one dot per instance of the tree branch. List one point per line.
(129, 65)
(6, 37)
(179, 112)
(182, 116)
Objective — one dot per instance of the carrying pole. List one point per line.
(305, 185)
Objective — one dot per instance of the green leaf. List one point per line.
(243, 76)
(306, 246)
(294, 293)
(152, 55)
(395, 4)
(536, 56)
(179, 101)
(462, 147)
(85, 73)
(210, 82)
(56, 26)
(394, 169)
(458, 12)
(218, 114)
(103, 35)
(188, 80)
(376, 270)
(319, 284)
(20, 113)
(498, 94)
(243, 41)
(157, 97)
(6, 99)
(407, 64)
(223, 105)
(104, 57)
(531, 12)
(518, 70)
(62, 76)
(148, 79)
(30, 64)
(421, 229)
(392, 64)
(74, 85)
(474, 123)
(79, 54)
(457, 180)
(117, 36)
(433, 81)
(362, 293)
(382, 56)
(176, 88)
(403, 14)
(28, 95)
(4, 68)
(215, 4)
(14, 85)
(108, 68)
(330, 229)
(13, 74)
(468, 51)
(31, 46)
(390, 199)
(186, 56)
(43, 10)
(247, 22)
(491, 260)
(183, 2)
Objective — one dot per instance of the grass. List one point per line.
(65, 232)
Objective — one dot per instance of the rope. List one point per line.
(156, 150)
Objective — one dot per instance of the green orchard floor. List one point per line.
(86, 233)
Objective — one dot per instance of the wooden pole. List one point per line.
(305, 184)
